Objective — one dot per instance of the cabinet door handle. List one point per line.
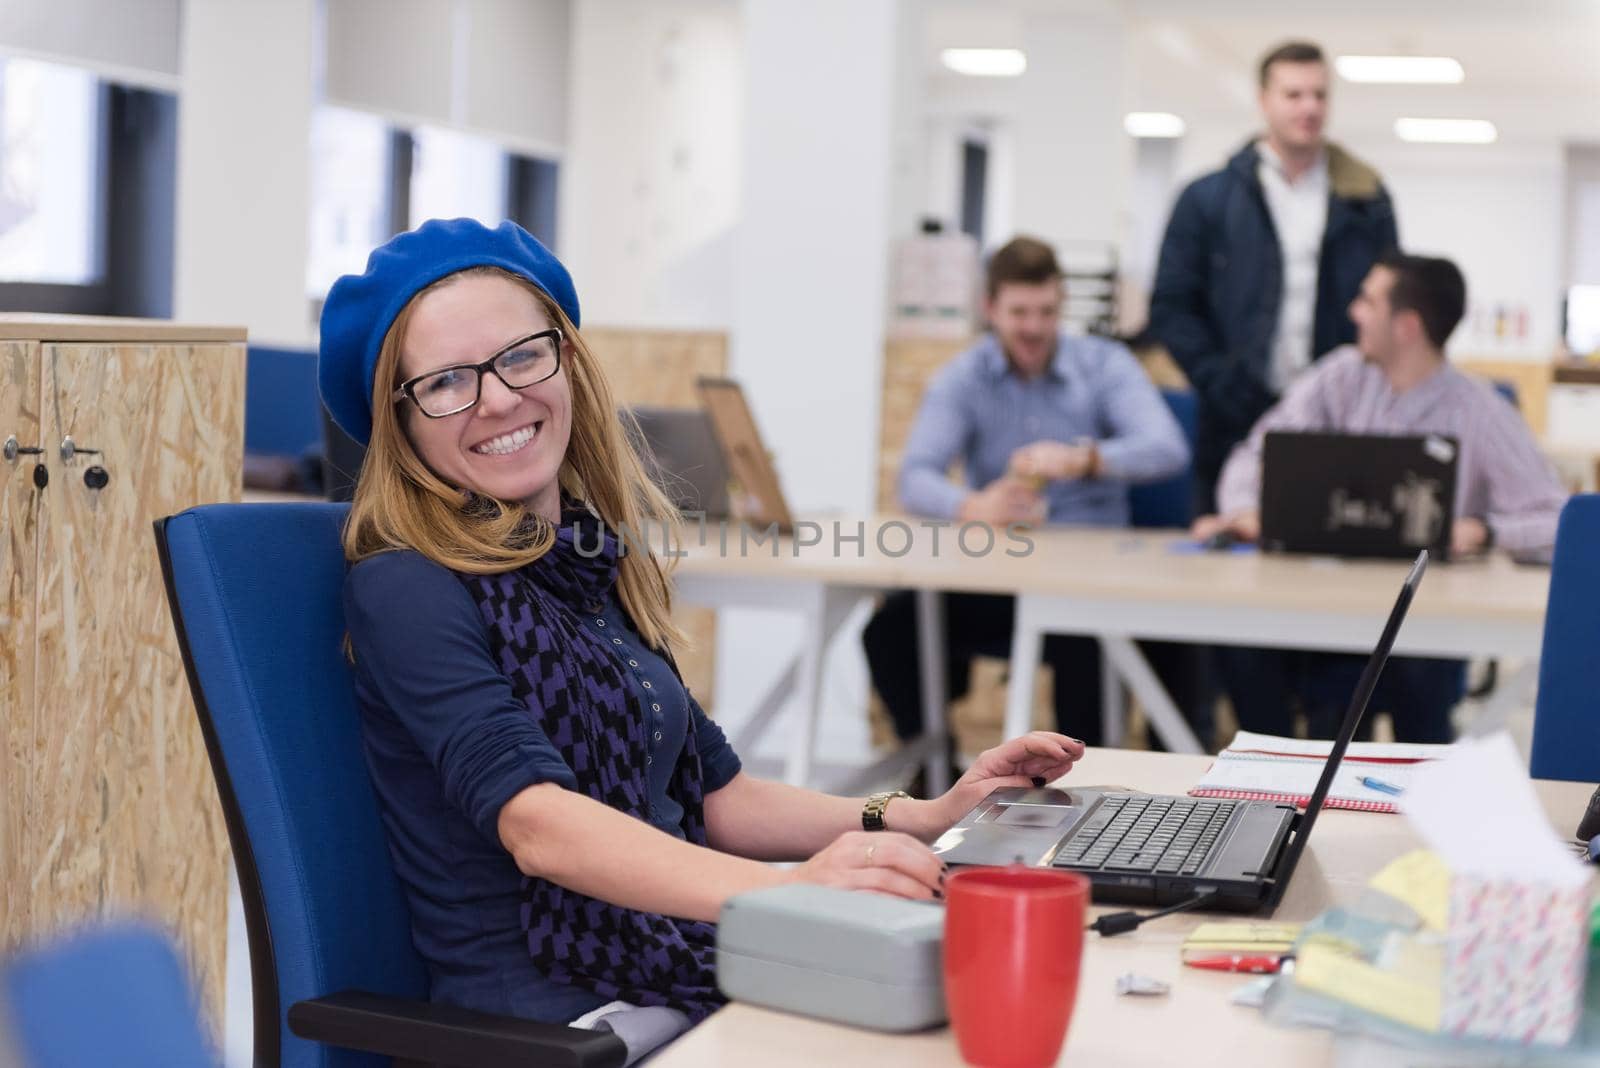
(13, 449)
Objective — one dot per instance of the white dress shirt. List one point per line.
(1299, 210)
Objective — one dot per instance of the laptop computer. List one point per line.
(1237, 855)
(681, 453)
(1358, 494)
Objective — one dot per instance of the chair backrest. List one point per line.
(110, 996)
(1170, 503)
(256, 596)
(1566, 720)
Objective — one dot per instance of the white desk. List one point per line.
(1194, 1025)
(1118, 586)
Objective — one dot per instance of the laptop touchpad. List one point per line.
(1033, 815)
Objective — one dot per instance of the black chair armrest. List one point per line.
(447, 1035)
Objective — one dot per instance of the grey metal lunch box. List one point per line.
(843, 955)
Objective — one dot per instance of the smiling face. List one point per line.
(1026, 317)
(511, 444)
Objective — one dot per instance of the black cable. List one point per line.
(1115, 923)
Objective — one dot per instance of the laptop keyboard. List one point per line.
(1162, 835)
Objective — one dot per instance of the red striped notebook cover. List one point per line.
(1258, 767)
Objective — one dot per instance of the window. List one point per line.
(455, 175)
(50, 149)
(350, 209)
(531, 195)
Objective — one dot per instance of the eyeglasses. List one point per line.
(448, 390)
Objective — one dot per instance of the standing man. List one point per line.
(1047, 426)
(1261, 259)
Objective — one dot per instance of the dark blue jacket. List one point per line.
(1220, 280)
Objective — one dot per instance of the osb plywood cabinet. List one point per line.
(107, 806)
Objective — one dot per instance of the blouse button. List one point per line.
(658, 736)
(599, 622)
(649, 760)
(616, 641)
(655, 708)
(633, 663)
(647, 685)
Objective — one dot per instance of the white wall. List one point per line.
(243, 169)
(1497, 213)
(1581, 255)
(1072, 158)
(1059, 162)
(651, 188)
(130, 41)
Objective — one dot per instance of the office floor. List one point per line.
(843, 742)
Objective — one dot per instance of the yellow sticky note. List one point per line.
(1243, 934)
(1353, 981)
(1420, 880)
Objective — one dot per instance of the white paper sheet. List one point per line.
(1477, 809)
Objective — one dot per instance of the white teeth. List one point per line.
(505, 443)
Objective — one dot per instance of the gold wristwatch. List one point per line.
(872, 811)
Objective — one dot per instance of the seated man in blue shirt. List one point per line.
(1048, 426)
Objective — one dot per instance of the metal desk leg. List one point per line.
(822, 610)
(1027, 643)
(1514, 690)
(1113, 704)
(1158, 705)
(930, 661)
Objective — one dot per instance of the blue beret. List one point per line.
(361, 307)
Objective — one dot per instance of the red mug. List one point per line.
(1013, 940)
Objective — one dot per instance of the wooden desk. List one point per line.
(1194, 1025)
(1117, 586)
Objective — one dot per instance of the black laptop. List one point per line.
(683, 457)
(1158, 850)
(1358, 494)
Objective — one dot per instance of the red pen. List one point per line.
(1235, 962)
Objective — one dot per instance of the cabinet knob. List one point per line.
(70, 448)
(96, 477)
(41, 476)
(13, 449)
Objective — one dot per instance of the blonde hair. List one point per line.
(401, 504)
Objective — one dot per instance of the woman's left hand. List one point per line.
(1018, 762)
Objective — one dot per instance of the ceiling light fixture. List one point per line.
(1446, 131)
(985, 62)
(1153, 124)
(1400, 70)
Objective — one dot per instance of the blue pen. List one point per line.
(1378, 784)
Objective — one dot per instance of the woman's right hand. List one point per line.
(883, 861)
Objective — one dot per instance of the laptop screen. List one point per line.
(1352, 719)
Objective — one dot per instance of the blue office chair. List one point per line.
(255, 593)
(1170, 503)
(1566, 730)
(111, 996)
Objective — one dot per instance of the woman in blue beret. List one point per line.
(566, 821)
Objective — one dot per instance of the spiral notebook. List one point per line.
(1263, 767)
